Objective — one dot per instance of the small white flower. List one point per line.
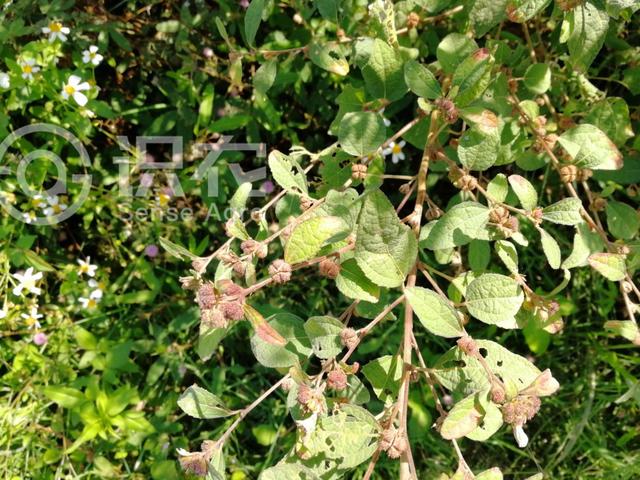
(73, 88)
(98, 287)
(27, 281)
(88, 302)
(92, 56)
(29, 217)
(3, 313)
(4, 80)
(521, 437)
(395, 150)
(31, 318)
(55, 207)
(29, 67)
(38, 201)
(56, 30)
(86, 267)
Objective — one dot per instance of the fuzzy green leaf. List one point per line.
(589, 147)
(494, 298)
(588, 27)
(353, 283)
(525, 192)
(609, 265)
(622, 220)
(199, 403)
(287, 172)
(461, 224)
(308, 237)
(421, 81)
(385, 248)
(551, 249)
(434, 312)
(361, 133)
(324, 334)
(564, 212)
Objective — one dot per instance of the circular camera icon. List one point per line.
(55, 211)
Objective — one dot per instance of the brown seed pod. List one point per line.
(329, 268)
(349, 337)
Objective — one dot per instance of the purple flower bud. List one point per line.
(268, 187)
(146, 179)
(207, 52)
(40, 338)
(244, 3)
(151, 251)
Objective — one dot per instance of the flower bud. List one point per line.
(359, 171)
(280, 271)
(349, 337)
(337, 379)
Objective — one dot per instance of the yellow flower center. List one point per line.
(69, 89)
(55, 26)
(84, 268)
(396, 149)
(27, 68)
(92, 303)
(56, 209)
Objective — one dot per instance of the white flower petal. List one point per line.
(521, 437)
(83, 86)
(80, 98)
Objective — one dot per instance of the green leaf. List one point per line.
(508, 254)
(622, 8)
(209, 340)
(434, 312)
(36, 261)
(381, 68)
(472, 77)
(287, 172)
(494, 474)
(479, 147)
(564, 212)
(384, 375)
(611, 115)
(340, 442)
(176, 250)
(361, 133)
(622, 220)
(324, 334)
(296, 349)
(588, 27)
(537, 78)
(459, 372)
(625, 328)
(421, 81)
(264, 77)
(463, 418)
(288, 470)
(386, 249)
(551, 249)
(585, 243)
(498, 188)
(525, 192)
(521, 11)
(252, 20)
(66, 397)
(609, 265)
(329, 57)
(494, 298)
(453, 49)
(239, 199)
(199, 403)
(479, 255)
(308, 237)
(462, 223)
(328, 9)
(589, 147)
(486, 14)
(490, 422)
(353, 283)
(205, 110)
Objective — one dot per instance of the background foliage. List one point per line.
(99, 398)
